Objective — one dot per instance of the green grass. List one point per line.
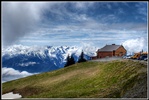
(82, 80)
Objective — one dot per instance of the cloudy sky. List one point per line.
(75, 23)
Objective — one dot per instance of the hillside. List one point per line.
(113, 79)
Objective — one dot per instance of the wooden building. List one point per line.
(111, 50)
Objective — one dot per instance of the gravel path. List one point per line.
(118, 58)
(108, 59)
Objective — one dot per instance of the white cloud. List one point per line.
(27, 64)
(83, 5)
(135, 45)
(19, 19)
(51, 31)
(121, 11)
(142, 8)
(109, 6)
(89, 48)
(12, 74)
(87, 31)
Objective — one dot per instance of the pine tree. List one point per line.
(81, 58)
(70, 61)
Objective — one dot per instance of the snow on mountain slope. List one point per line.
(26, 60)
(39, 59)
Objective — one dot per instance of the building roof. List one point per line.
(109, 47)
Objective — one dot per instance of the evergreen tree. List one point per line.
(70, 61)
(81, 58)
(142, 51)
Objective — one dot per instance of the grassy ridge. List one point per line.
(84, 80)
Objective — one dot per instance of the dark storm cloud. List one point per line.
(19, 19)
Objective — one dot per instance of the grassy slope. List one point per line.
(89, 79)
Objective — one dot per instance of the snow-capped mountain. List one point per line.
(38, 59)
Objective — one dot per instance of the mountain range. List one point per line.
(38, 59)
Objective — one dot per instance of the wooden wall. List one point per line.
(119, 52)
(103, 54)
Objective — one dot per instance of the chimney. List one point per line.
(113, 44)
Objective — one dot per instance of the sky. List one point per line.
(75, 24)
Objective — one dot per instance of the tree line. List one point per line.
(71, 61)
